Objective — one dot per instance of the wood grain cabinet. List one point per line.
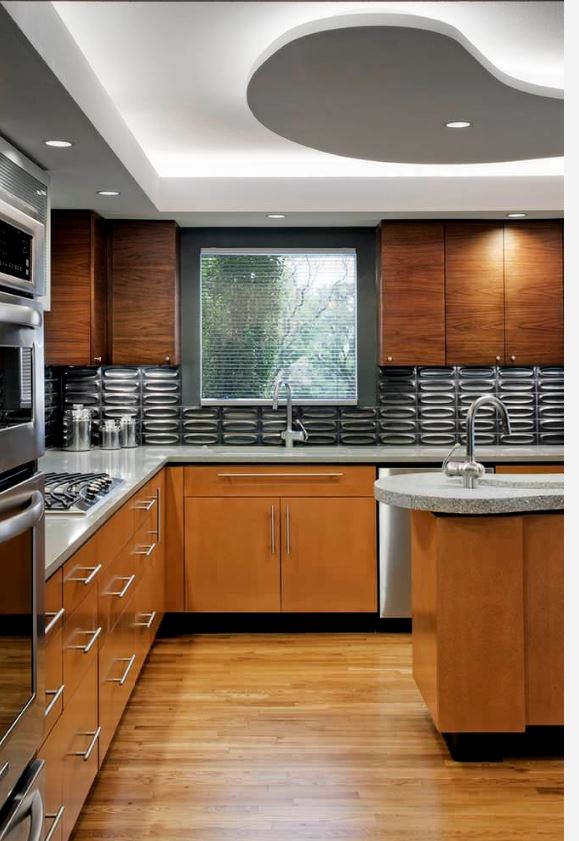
(144, 293)
(76, 325)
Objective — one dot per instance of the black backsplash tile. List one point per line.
(415, 406)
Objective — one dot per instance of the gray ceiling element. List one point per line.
(384, 93)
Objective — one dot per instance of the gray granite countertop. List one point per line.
(504, 494)
(64, 535)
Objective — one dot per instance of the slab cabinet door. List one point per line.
(232, 559)
(328, 555)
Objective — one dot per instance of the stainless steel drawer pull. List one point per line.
(56, 696)
(129, 661)
(279, 475)
(145, 504)
(272, 530)
(56, 819)
(95, 737)
(93, 571)
(54, 620)
(122, 593)
(94, 637)
(287, 531)
(144, 550)
(148, 622)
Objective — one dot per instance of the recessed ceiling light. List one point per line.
(276, 215)
(458, 124)
(59, 144)
(516, 215)
(108, 192)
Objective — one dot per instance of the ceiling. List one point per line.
(154, 95)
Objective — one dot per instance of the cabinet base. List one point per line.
(494, 747)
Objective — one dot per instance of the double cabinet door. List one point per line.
(270, 554)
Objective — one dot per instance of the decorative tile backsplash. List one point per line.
(424, 406)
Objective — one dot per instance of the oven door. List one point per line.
(21, 628)
(22, 243)
(21, 381)
(23, 818)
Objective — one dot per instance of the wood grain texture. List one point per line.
(544, 613)
(304, 737)
(529, 468)
(328, 559)
(412, 300)
(174, 540)
(475, 297)
(232, 560)
(534, 292)
(144, 293)
(424, 609)
(280, 480)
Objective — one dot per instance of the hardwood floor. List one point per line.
(245, 738)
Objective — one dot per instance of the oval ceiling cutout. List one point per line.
(384, 93)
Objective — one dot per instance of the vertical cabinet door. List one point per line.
(475, 297)
(534, 293)
(232, 554)
(328, 554)
(412, 315)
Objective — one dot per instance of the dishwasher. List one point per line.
(394, 551)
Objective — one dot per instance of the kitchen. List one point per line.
(282, 408)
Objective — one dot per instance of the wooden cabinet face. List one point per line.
(328, 555)
(412, 308)
(534, 293)
(232, 554)
(475, 301)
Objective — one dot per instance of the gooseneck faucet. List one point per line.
(471, 469)
(289, 434)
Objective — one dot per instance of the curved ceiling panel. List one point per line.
(384, 93)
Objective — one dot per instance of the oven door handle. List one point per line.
(20, 523)
(27, 804)
(20, 314)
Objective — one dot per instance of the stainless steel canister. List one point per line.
(128, 432)
(110, 435)
(77, 428)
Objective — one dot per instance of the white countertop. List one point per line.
(64, 535)
(504, 494)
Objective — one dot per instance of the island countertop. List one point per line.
(504, 494)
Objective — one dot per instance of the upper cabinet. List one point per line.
(471, 293)
(144, 293)
(412, 294)
(534, 293)
(76, 325)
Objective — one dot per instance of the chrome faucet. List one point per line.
(289, 434)
(470, 469)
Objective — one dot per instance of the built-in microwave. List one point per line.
(22, 249)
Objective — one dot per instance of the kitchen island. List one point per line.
(487, 601)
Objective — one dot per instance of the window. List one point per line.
(271, 314)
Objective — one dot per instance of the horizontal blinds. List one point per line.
(266, 315)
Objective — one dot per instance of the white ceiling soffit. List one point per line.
(165, 85)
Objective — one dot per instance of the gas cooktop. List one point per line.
(77, 493)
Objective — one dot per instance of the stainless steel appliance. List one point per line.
(21, 624)
(24, 818)
(21, 381)
(77, 493)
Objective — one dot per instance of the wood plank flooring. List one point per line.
(294, 737)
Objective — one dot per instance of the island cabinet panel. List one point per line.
(328, 555)
(144, 293)
(232, 554)
(534, 292)
(475, 295)
(412, 300)
(279, 480)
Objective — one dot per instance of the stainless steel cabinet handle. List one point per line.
(55, 619)
(94, 571)
(158, 497)
(95, 737)
(94, 637)
(272, 531)
(4, 769)
(122, 593)
(287, 531)
(279, 475)
(145, 504)
(56, 819)
(149, 621)
(129, 661)
(13, 526)
(56, 696)
(144, 550)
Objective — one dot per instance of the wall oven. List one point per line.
(22, 250)
(21, 625)
(21, 381)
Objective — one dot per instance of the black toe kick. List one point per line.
(232, 623)
(535, 742)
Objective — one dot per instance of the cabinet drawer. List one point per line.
(149, 608)
(115, 534)
(54, 682)
(279, 480)
(81, 636)
(53, 795)
(80, 576)
(117, 585)
(53, 596)
(145, 505)
(144, 549)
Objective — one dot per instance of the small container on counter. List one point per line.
(77, 428)
(128, 432)
(110, 435)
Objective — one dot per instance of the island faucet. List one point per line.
(289, 434)
(471, 469)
